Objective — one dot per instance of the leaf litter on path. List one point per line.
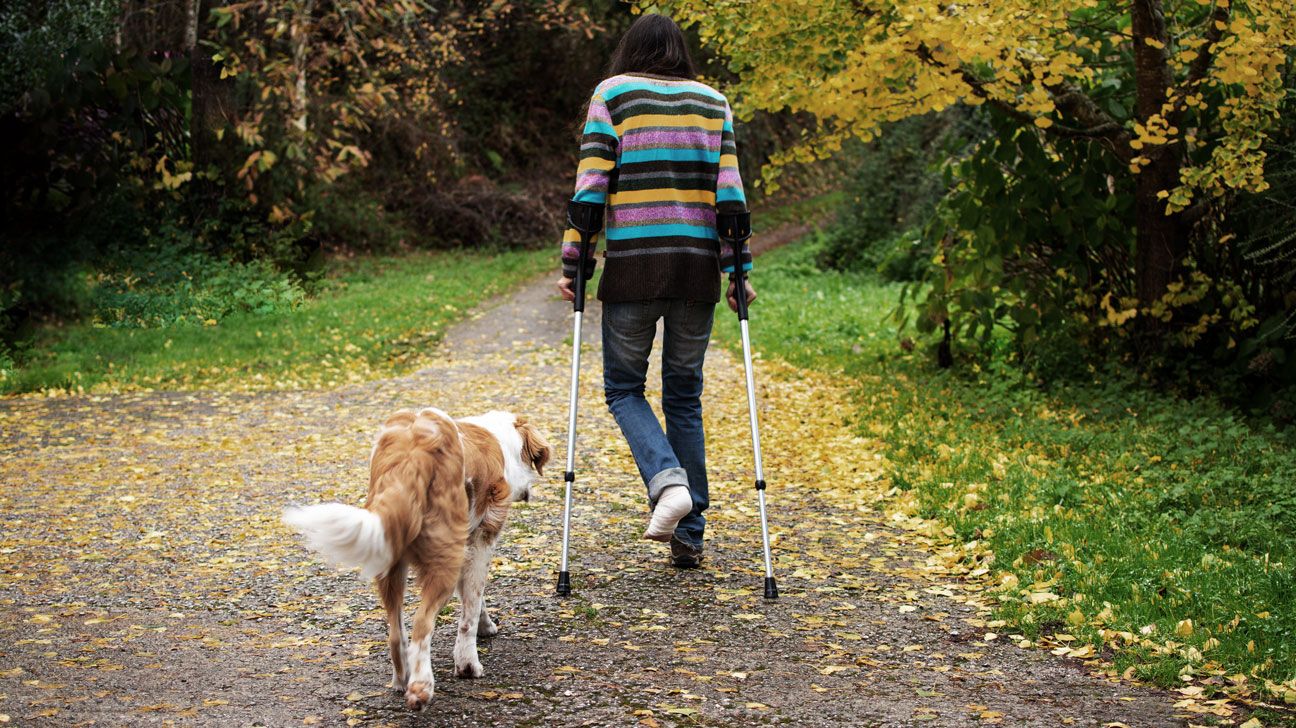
(144, 571)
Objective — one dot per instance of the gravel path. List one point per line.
(145, 578)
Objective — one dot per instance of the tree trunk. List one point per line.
(1162, 240)
(301, 36)
(192, 9)
(205, 112)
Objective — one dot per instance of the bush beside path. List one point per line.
(146, 577)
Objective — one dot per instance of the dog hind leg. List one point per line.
(391, 592)
(436, 584)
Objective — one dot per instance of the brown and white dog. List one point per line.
(439, 492)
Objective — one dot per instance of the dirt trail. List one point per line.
(145, 578)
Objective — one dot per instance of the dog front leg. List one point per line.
(472, 584)
(486, 627)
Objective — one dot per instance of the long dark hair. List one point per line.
(654, 44)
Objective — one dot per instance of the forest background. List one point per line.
(1083, 209)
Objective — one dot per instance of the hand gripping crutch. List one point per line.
(587, 219)
(734, 228)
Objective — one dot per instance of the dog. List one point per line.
(439, 494)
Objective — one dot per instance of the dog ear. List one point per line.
(534, 446)
(400, 418)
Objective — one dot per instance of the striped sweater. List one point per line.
(660, 153)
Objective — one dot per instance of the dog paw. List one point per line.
(487, 629)
(469, 670)
(418, 695)
(397, 684)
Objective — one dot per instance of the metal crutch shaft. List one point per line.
(587, 219)
(735, 229)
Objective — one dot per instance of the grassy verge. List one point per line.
(771, 215)
(376, 316)
(1124, 518)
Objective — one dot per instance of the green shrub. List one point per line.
(1052, 267)
(171, 277)
(33, 31)
(1024, 256)
(7, 365)
(346, 216)
(76, 179)
(904, 257)
(892, 193)
(191, 288)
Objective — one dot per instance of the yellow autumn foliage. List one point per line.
(857, 65)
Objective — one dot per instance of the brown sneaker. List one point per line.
(685, 555)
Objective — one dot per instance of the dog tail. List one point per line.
(416, 491)
(345, 535)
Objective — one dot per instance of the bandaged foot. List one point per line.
(675, 503)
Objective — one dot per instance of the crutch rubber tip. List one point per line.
(771, 589)
(564, 584)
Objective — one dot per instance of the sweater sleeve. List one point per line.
(729, 189)
(598, 160)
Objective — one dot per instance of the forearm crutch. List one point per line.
(734, 228)
(586, 219)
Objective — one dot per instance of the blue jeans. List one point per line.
(678, 455)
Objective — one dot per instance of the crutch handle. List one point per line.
(734, 228)
(584, 271)
(739, 280)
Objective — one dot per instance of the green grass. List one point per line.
(375, 316)
(1139, 510)
(774, 213)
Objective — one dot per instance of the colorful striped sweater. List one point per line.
(660, 153)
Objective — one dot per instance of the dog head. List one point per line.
(535, 449)
(525, 450)
(534, 452)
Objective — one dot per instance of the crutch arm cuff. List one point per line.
(585, 218)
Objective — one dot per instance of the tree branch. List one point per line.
(862, 9)
(1073, 102)
(976, 85)
(1206, 53)
(1069, 99)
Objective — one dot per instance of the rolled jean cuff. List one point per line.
(663, 480)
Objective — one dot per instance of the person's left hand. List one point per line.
(733, 302)
(565, 289)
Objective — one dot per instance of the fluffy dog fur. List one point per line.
(439, 493)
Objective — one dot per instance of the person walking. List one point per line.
(658, 149)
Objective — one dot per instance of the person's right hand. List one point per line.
(565, 289)
(733, 301)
